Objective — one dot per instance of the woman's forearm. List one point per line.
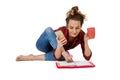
(87, 49)
(58, 52)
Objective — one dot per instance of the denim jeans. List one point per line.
(47, 43)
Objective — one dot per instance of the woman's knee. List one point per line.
(49, 31)
(38, 45)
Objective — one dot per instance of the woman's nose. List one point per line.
(74, 31)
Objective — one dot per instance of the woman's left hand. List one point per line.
(86, 37)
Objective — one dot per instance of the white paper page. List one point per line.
(80, 63)
(76, 63)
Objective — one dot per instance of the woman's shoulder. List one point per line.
(81, 35)
(82, 32)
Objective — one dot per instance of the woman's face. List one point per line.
(74, 28)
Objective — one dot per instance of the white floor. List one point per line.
(21, 23)
(44, 70)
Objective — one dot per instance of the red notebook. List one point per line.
(75, 64)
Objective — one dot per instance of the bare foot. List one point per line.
(24, 58)
(68, 57)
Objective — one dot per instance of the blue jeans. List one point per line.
(47, 43)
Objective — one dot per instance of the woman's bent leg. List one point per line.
(47, 41)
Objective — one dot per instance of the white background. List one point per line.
(22, 22)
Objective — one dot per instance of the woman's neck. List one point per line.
(71, 39)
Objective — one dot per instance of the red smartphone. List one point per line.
(91, 32)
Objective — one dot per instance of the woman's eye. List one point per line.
(71, 27)
(77, 28)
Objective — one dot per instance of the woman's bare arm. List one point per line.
(60, 49)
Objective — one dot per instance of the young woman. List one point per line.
(56, 43)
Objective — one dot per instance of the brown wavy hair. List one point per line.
(75, 14)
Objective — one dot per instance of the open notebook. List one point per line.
(75, 64)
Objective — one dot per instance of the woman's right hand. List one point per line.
(61, 41)
(67, 56)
